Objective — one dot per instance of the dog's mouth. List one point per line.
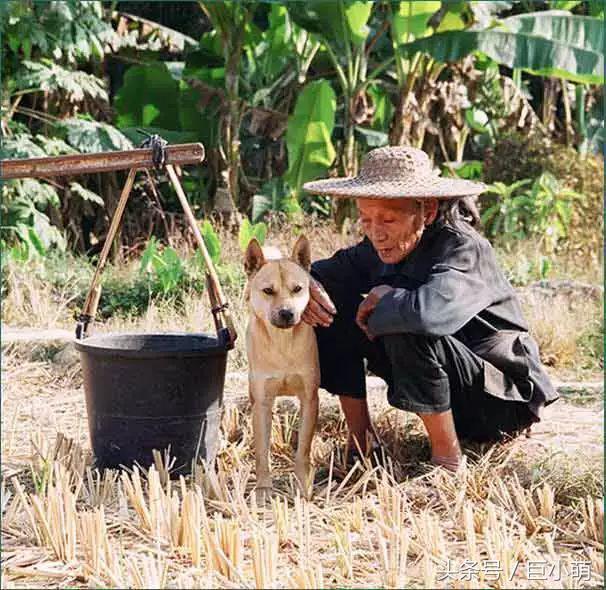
(283, 323)
(285, 318)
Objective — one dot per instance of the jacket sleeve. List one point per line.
(454, 292)
(349, 269)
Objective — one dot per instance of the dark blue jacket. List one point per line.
(450, 284)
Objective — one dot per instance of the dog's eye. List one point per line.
(297, 288)
(269, 291)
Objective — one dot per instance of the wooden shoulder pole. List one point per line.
(176, 155)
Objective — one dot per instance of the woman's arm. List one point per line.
(455, 292)
(349, 268)
(347, 271)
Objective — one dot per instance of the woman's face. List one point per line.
(395, 226)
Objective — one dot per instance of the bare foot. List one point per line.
(263, 495)
(449, 463)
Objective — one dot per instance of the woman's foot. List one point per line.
(449, 463)
(445, 448)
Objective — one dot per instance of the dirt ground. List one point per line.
(557, 472)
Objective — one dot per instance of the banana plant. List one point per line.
(409, 21)
(232, 21)
(342, 28)
(548, 43)
(308, 137)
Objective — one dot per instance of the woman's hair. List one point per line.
(459, 212)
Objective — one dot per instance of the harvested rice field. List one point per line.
(527, 513)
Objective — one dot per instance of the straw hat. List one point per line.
(396, 172)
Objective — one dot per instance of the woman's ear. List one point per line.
(301, 253)
(431, 210)
(253, 259)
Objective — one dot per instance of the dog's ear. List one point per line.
(301, 253)
(253, 259)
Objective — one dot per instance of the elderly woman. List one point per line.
(439, 323)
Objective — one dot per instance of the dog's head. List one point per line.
(278, 289)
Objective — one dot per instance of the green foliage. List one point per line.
(341, 22)
(545, 210)
(21, 145)
(275, 197)
(46, 75)
(515, 157)
(383, 113)
(163, 265)
(248, 232)
(24, 219)
(584, 32)
(308, 138)
(467, 169)
(90, 136)
(249, 73)
(545, 44)
(148, 97)
(410, 20)
(211, 241)
(69, 30)
(503, 218)
(550, 206)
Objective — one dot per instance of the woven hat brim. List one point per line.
(433, 186)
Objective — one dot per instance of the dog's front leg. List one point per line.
(309, 418)
(262, 410)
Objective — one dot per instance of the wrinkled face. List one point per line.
(395, 226)
(279, 289)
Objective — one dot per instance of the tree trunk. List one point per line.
(232, 124)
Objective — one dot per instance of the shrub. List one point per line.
(515, 157)
(545, 210)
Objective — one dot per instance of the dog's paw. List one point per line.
(263, 495)
(305, 479)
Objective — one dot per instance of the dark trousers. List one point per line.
(423, 373)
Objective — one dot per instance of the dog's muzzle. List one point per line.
(285, 318)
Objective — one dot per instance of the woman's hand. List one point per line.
(368, 305)
(320, 309)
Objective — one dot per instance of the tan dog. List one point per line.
(282, 352)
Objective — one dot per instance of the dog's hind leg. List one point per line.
(262, 409)
(307, 428)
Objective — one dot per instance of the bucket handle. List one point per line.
(91, 302)
(224, 325)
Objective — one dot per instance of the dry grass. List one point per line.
(33, 301)
(522, 503)
(562, 327)
(64, 524)
(569, 333)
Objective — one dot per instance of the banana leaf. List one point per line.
(308, 137)
(558, 55)
(338, 21)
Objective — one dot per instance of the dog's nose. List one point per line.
(286, 315)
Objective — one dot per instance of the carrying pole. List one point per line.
(177, 155)
(131, 160)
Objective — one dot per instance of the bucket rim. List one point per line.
(94, 345)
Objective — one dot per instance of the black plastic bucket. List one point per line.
(153, 391)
